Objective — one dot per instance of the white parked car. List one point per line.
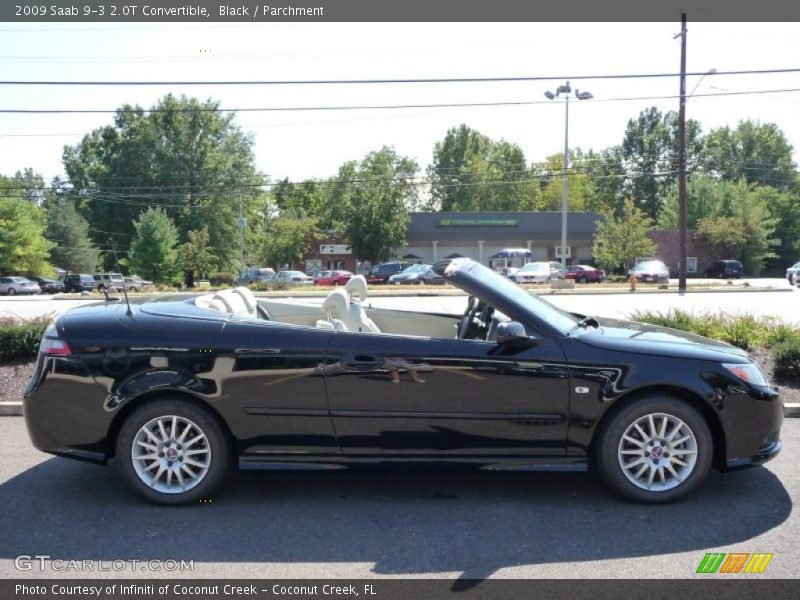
(535, 272)
(292, 278)
(651, 270)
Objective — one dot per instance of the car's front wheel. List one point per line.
(172, 451)
(11, 291)
(583, 279)
(655, 449)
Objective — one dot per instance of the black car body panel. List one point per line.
(291, 394)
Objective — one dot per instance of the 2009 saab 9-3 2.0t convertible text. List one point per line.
(180, 390)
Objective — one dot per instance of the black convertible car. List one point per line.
(180, 390)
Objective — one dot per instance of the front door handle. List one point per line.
(361, 362)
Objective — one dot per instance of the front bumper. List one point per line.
(765, 454)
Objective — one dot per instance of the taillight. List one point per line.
(52, 344)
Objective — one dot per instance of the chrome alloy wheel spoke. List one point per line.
(164, 460)
(657, 452)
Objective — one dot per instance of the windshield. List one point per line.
(652, 264)
(482, 281)
(417, 269)
(536, 267)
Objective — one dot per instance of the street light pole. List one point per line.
(682, 161)
(566, 90)
(565, 185)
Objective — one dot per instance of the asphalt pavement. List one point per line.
(392, 523)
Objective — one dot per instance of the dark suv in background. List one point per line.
(724, 268)
(78, 282)
(381, 273)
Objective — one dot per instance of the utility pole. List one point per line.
(565, 184)
(241, 223)
(682, 161)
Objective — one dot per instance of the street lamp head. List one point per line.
(564, 89)
(550, 95)
(583, 95)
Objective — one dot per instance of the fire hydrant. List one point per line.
(632, 282)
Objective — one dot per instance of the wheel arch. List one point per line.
(135, 403)
(690, 397)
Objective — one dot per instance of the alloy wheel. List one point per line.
(657, 452)
(171, 454)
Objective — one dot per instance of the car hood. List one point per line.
(632, 336)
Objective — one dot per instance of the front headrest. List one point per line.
(357, 286)
(337, 302)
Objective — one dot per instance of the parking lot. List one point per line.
(398, 523)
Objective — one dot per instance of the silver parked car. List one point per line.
(292, 278)
(651, 270)
(18, 285)
(539, 272)
(792, 273)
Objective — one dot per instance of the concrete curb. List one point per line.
(10, 409)
(791, 410)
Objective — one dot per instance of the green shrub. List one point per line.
(221, 279)
(786, 357)
(742, 330)
(21, 339)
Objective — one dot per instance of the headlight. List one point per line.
(748, 372)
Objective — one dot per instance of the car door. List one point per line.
(404, 395)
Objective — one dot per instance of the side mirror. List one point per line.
(512, 333)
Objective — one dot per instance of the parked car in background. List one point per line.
(78, 282)
(334, 278)
(49, 286)
(137, 284)
(109, 281)
(18, 285)
(585, 274)
(416, 275)
(557, 270)
(651, 270)
(292, 278)
(724, 268)
(534, 272)
(792, 273)
(255, 275)
(381, 273)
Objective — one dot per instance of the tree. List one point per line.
(286, 238)
(184, 155)
(470, 171)
(374, 196)
(580, 189)
(153, 251)
(650, 151)
(23, 247)
(619, 240)
(69, 231)
(757, 152)
(194, 256)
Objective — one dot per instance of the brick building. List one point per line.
(698, 255)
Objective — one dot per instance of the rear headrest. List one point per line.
(337, 303)
(357, 286)
(234, 303)
(248, 297)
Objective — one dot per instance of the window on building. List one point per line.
(691, 264)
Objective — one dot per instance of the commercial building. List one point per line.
(432, 236)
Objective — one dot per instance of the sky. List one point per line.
(309, 144)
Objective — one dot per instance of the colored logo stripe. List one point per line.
(758, 562)
(711, 562)
(734, 562)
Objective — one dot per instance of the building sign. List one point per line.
(335, 249)
(476, 222)
(560, 254)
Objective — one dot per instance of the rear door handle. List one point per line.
(361, 362)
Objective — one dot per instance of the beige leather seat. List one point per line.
(357, 319)
(335, 307)
(249, 299)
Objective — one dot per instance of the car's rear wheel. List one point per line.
(171, 451)
(583, 279)
(655, 449)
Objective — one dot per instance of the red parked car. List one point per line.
(585, 274)
(333, 278)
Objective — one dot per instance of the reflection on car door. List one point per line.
(406, 395)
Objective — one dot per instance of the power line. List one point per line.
(376, 106)
(416, 80)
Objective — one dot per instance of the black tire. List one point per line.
(605, 457)
(220, 461)
(583, 279)
(11, 291)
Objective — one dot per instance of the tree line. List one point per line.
(167, 185)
